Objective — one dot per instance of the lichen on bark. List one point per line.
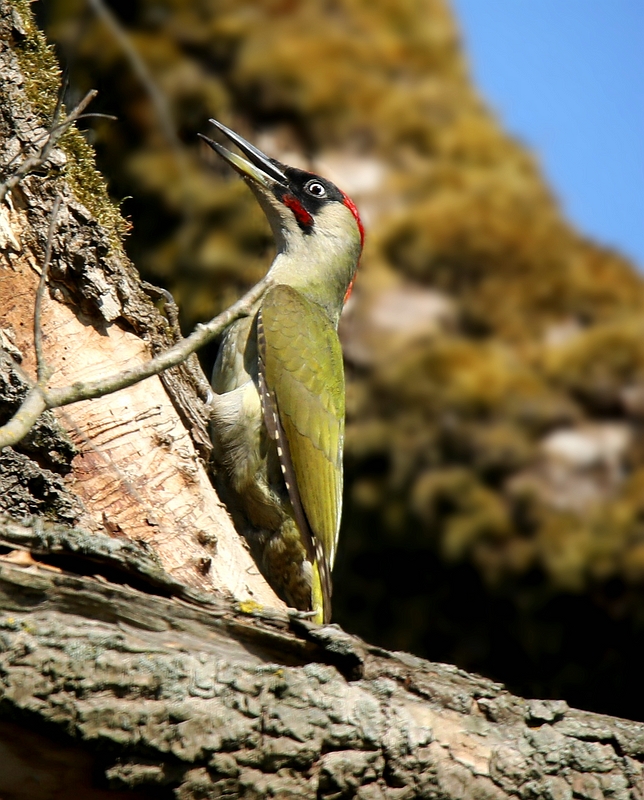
(41, 74)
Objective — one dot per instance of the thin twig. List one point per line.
(76, 114)
(41, 157)
(64, 86)
(142, 72)
(43, 371)
(25, 417)
(97, 115)
(40, 399)
(191, 364)
(201, 335)
(170, 307)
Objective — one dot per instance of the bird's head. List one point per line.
(317, 227)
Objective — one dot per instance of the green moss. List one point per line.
(42, 88)
(472, 378)
(38, 64)
(460, 510)
(599, 363)
(87, 183)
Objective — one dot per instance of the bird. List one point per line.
(278, 405)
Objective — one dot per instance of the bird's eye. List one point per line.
(316, 189)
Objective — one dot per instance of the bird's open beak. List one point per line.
(258, 167)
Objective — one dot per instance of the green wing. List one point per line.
(302, 378)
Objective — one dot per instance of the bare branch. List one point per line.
(42, 156)
(40, 399)
(98, 115)
(44, 372)
(55, 398)
(171, 310)
(24, 419)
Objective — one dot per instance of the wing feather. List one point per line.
(303, 378)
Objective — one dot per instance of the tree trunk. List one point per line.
(130, 463)
(139, 646)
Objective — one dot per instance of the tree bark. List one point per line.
(132, 677)
(133, 462)
(139, 647)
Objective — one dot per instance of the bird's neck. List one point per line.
(321, 269)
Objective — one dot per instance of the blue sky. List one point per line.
(567, 78)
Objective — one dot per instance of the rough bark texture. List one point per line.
(161, 688)
(129, 463)
(124, 664)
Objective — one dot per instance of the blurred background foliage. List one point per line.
(494, 504)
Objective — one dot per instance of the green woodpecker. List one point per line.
(278, 409)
